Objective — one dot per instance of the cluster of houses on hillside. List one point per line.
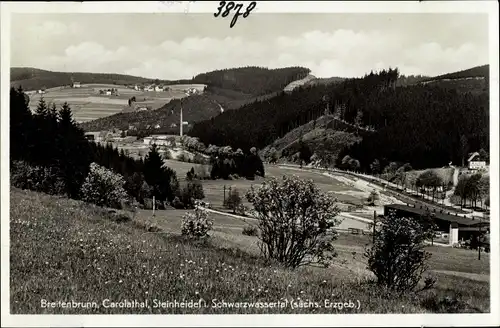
(161, 88)
(151, 87)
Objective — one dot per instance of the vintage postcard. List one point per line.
(255, 163)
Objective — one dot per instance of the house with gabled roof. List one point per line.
(475, 162)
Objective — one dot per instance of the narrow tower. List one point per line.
(181, 120)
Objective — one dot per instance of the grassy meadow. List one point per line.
(67, 250)
(87, 104)
(214, 189)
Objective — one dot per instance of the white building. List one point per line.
(76, 85)
(108, 93)
(476, 162)
(161, 140)
(158, 88)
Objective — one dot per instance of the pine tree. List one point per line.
(21, 126)
(153, 171)
(75, 152)
(41, 142)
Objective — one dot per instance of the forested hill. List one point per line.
(419, 124)
(251, 80)
(478, 71)
(229, 89)
(34, 78)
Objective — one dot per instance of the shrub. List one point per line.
(177, 204)
(250, 231)
(296, 221)
(190, 192)
(103, 187)
(197, 224)
(202, 172)
(397, 257)
(199, 159)
(37, 178)
(233, 200)
(374, 196)
(183, 157)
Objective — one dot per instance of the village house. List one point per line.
(475, 162)
(76, 85)
(158, 88)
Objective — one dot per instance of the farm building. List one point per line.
(163, 140)
(158, 88)
(93, 136)
(76, 85)
(476, 162)
(460, 227)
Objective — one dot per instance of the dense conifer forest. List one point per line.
(424, 125)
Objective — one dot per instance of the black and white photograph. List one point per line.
(189, 163)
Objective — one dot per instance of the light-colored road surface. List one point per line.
(348, 220)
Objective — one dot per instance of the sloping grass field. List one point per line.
(87, 104)
(69, 251)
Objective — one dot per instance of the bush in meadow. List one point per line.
(103, 187)
(191, 191)
(196, 224)
(296, 221)
(233, 200)
(250, 231)
(372, 198)
(397, 257)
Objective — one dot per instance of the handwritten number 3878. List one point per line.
(232, 6)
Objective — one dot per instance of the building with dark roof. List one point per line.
(459, 226)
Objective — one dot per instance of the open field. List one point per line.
(87, 104)
(342, 188)
(67, 250)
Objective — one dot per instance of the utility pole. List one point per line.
(479, 241)
(154, 205)
(374, 226)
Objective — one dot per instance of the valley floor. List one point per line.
(65, 250)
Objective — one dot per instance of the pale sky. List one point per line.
(177, 46)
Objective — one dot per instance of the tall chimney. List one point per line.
(181, 119)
